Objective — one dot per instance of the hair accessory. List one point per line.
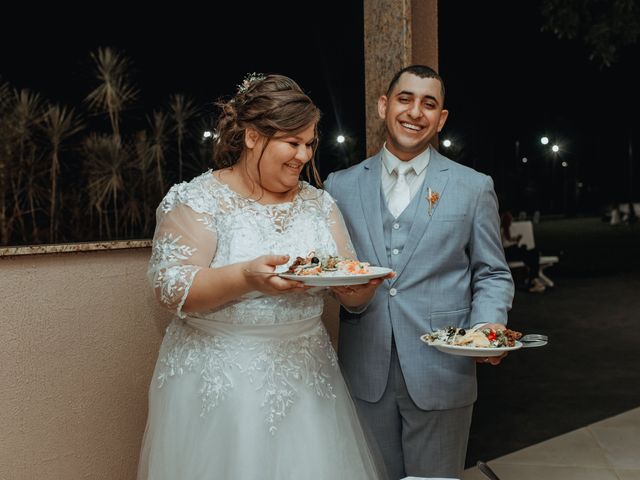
(249, 79)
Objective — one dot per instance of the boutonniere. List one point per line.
(432, 198)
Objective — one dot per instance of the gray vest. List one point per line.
(396, 230)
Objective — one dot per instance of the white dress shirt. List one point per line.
(415, 176)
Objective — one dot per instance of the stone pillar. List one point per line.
(397, 33)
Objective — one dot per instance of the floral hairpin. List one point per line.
(432, 198)
(249, 79)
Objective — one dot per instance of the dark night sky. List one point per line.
(505, 80)
(202, 51)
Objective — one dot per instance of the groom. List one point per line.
(436, 224)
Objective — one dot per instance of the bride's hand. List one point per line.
(258, 275)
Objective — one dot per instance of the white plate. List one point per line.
(471, 351)
(337, 279)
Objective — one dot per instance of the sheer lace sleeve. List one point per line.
(184, 243)
(343, 242)
(338, 228)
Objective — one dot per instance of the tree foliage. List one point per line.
(64, 181)
(605, 27)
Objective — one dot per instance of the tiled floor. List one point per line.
(606, 450)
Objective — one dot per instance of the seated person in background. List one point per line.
(515, 252)
(630, 217)
(615, 215)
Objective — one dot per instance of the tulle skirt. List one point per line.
(252, 402)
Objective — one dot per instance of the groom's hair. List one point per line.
(421, 71)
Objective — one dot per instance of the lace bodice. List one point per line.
(205, 224)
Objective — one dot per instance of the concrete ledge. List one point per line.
(72, 247)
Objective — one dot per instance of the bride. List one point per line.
(247, 384)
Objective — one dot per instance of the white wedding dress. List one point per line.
(251, 390)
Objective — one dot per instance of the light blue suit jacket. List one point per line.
(452, 271)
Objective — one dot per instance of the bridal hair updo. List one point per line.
(271, 105)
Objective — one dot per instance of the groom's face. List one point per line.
(413, 114)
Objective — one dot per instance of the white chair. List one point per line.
(525, 229)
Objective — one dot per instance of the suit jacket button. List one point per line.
(393, 292)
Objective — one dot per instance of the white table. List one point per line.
(428, 478)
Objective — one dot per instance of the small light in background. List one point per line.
(544, 140)
(446, 143)
(525, 159)
(565, 164)
(207, 134)
(340, 139)
(555, 148)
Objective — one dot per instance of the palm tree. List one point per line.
(183, 109)
(200, 156)
(157, 145)
(132, 207)
(115, 91)
(5, 158)
(143, 165)
(105, 158)
(5, 93)
(34, 188)
(25, 117)
(60, 123)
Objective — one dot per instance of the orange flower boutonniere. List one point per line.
(432, 198)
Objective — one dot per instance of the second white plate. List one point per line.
(471, 351)
(336, 279)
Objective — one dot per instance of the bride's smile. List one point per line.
(276, 166)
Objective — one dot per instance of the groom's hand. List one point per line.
(493, 360)
(357, 295)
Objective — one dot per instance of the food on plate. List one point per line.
(313, 265)
(475, 337)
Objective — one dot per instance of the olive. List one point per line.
(462, 331)
(315, 260)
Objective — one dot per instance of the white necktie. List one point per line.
(400, 194)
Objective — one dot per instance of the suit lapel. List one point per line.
(369, 184)
(436, 178)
